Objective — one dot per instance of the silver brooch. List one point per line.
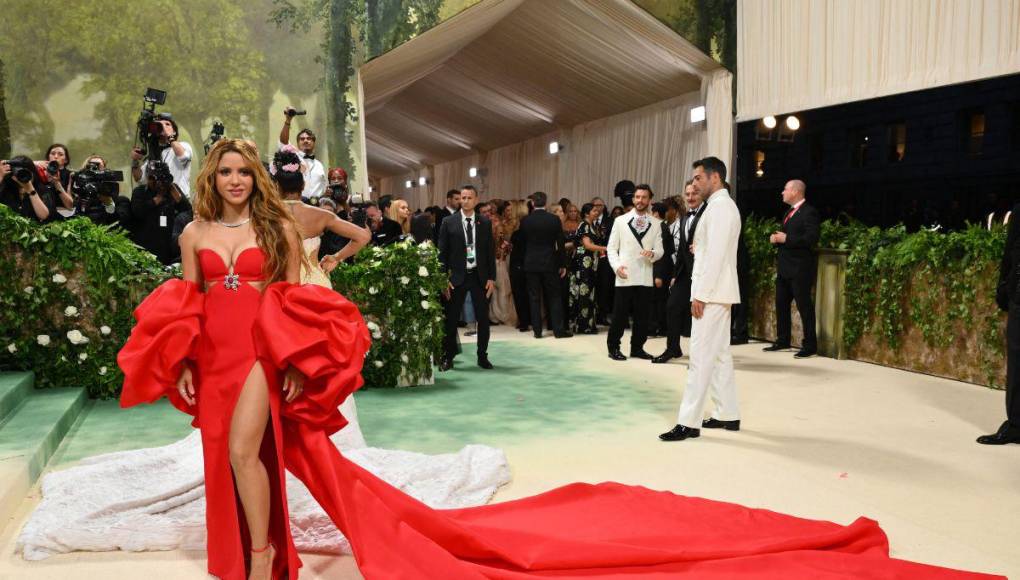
(232, 282)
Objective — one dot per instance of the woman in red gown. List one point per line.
(262, 363)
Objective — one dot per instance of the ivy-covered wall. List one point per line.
(923, 302)
(67, 291)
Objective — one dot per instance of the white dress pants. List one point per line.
(711, 369)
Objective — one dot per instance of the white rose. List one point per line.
(373, 326)
(43, 339)
(404, 359)
(105, 330)
(102, 370)
(83, 356)
(377, 334)
(423, 291)
(59, 278)
(29, 289)
(425, 304)
(404, 280)
(400, 302)
(76, 337)
(111, 280)
(378, 364)
(423, 271)
(377, 250)
(373, 290)
(71, 311)
(12, 348)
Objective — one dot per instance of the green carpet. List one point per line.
(533, 394)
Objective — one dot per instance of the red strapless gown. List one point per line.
(605, 531)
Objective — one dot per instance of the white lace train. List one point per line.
(154, 499)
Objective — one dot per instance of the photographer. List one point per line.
(174, 154)
(94, 194)
(22, 190)
(313, 170)
(338, 191)
(155, 206)
(57, 160)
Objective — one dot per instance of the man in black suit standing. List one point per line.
(797, 266)
(452, 207)
(467, 253)
(544, 265)
(677, 243)
(1007, 296)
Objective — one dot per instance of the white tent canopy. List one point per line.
(491, 86)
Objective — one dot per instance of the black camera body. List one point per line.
(215, 135)
(159, 172)
(22, 171)
(291, 112)
(150, 126)
(52, 168)
(92, 182)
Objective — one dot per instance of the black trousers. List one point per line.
(630, 301)
(604, 287)
(796, 289)
(678, 314)
(519, 289)
(473, 284)
(1013, 368)
(545, 285)
(657, 321)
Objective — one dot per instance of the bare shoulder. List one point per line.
(193, 231)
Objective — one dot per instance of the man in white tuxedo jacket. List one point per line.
(634, 245)
(714, 289)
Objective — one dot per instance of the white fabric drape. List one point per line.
(717, 94)
(802, 54)
(655, 144)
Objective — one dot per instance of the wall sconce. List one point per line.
(408, 184)
(422, 181)
(555, 147)
(698, 114)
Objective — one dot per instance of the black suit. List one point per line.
(453, 244)
(795, 274)
(544, 255)
(678, 308)
(605, 278)
(389, 231)
(1007, 295)
(519, 279)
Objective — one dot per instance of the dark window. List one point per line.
(859, 143)
(897, 142)
(759, 163)
(817, 151)
(973, 132)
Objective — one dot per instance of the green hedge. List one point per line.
(67, 291)
(938, 283)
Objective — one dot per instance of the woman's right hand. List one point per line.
(186, 386)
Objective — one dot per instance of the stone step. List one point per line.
(14, 387)
(30, 437)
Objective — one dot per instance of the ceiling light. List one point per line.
(409, 184)
(473, 172)
(422, 181)
(698, 114)
(792, 123)
(554, 147)
(769, 122)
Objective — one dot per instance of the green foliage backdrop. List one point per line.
(67, 291)
(935, 287)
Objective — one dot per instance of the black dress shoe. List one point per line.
(445, 365)
(563, 334)
(641, 355)
(735, 340)
(538, 334)
(461, 324)
(1003, 436)
(719, 424)
(483, 361)
(616, 355)
(805, 353)
(523, 328)
(666, 357)
(776, 347)
(679, 433)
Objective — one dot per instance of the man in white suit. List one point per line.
(634, 245)
(714, 289)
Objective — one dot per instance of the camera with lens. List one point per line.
(291, 112)
(215, 135)
(150, 126)
(52, 168)
(359, 216)
(92, 182)
(21, 171)
(159, 172)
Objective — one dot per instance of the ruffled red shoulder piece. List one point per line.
(168, 325)
(324, 336)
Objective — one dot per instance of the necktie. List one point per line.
(789, 215)
(470, 232)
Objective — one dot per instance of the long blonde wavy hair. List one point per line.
(266, 208)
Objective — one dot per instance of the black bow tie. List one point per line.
(310, 156)
(691, 212)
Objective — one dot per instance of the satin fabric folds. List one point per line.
(604, 531)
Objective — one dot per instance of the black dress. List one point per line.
(583, 280)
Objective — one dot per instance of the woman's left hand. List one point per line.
(293, 384)
(328, 263)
